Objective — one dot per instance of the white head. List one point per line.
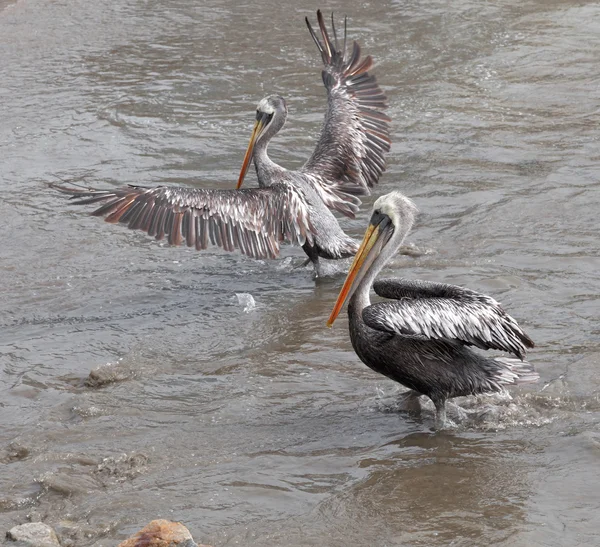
(271, 104)
(401, 210)
(271, 113)
(392, 218)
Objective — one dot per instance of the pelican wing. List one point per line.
(441, 311)
(253, 220)
(355, 137)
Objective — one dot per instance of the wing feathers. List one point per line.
(438, 310)
(253, 220)
(355, 136)
(316, 40)
(329, 47)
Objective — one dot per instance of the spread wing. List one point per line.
(253, 220)
(441, 311)
(355, 136)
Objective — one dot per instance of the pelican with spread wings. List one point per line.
(288, 206)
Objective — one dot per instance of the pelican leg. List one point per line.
(317, 266)
(313, 256)
(440, 413)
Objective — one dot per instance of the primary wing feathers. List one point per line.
(253, 220)
(355, 136)
(441, 311)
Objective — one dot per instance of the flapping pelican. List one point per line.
(420, 338)
(292, 206)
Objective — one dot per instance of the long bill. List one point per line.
(258, 127)
(367, 253)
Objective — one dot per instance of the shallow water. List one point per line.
(256, 425)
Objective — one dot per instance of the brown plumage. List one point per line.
(253, 220)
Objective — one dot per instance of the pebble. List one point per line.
(34, 534)
(162, 533)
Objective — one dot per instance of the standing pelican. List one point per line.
(420, 338)
(291, 206)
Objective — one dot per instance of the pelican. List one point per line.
(420, 338)
(292, 206)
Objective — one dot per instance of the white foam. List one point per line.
(247, 300)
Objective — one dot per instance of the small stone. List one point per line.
(162, 533)
(34, 534)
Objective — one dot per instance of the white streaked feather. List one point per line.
(440, 311)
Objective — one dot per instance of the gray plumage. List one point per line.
(421, 338)
(355, 135)
(288, 206)
(253, 220)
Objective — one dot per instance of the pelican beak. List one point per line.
(376, 236)
(261, 121)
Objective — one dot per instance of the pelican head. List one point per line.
(271, 113)
(392, 218)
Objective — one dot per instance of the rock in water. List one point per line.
(109, 373)
(162, 533)
(34, 534)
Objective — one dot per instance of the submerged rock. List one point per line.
(14, 452)
(109, 373)
(33, 534)
(69, 484)
(122, 468)
(162, 533)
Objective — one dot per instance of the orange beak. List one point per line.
(258, 127)
(353, 278)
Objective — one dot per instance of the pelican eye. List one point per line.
(380, 219)
(260, 115)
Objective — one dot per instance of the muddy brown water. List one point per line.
(261, 427)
